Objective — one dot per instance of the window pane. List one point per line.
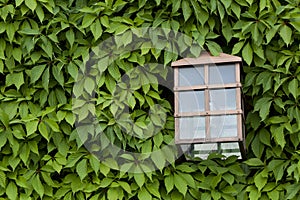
(191, 101)
(203, 150)
(223, 99)
(222, 74)
(231, 148)
(223, 126)
(191, 127)
(191, 76)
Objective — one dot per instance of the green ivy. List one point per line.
(45, 49)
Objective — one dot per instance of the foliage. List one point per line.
(44, 48)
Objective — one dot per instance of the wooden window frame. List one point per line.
(207, 112)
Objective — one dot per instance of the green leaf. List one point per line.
(279, 136)
(4, 118)
(261, 179)
(70, 37)
(81, 169)
(263, 106)
(201, 15)
(139, 179)
(36, 73)
(31, 4)
(96, 29)
(254, 162)
(113, 194)
(89, 85)
(169, 183)
(293, 88)
(114, 72)
(186, 9)
(24, 155)
(43, 130)
(52, 124)
(37, 185)
(180, 184)
(214, 48)
(237, 47)
(10, 31)
(125, 186)
(31, 127)
(40, 13)
(88, 19)
(58, 74)
(2, 179)
(19, 2)
(247, 53)
(292, 191)
(286, 34)
(264, 137)
(12, 191)
(17, 54)
(144, 194)
(16, 79)
(158, 159)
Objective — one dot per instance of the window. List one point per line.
(208, 104)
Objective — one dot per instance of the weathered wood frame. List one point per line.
(206, 60)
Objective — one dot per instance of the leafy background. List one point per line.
(45, 43)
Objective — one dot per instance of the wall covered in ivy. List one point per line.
(81, 96)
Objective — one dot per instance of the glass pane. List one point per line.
(222, 74)
(191, 101)
(223, 126)
(191, 76)
(231, 148)
(191, 127)
(203, 150)
(224, 99)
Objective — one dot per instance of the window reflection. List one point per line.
(222, 74)
(191, 76)
(191, 101)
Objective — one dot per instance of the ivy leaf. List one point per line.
(293, 88)
(38, 186)
(247, 53)
(169, 183)
(158, 159)
(263, 105)
(53, 125)
(186, 9)
(31, 127)
(144, 194)
(214, 48)
(31, 4)
(254, 162)
(279, 136)
(70, 37)
(180, 184)
(261, 179)
(89, 85)
(96, 29)
(4, 118)
(88, 19)
(36, 73)
(19, 2)
(139, 179)
(10, 31)
(81, 169)
(125, 186)
(43, 130)
(286, 34)
(16, 79)
(12, 191)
